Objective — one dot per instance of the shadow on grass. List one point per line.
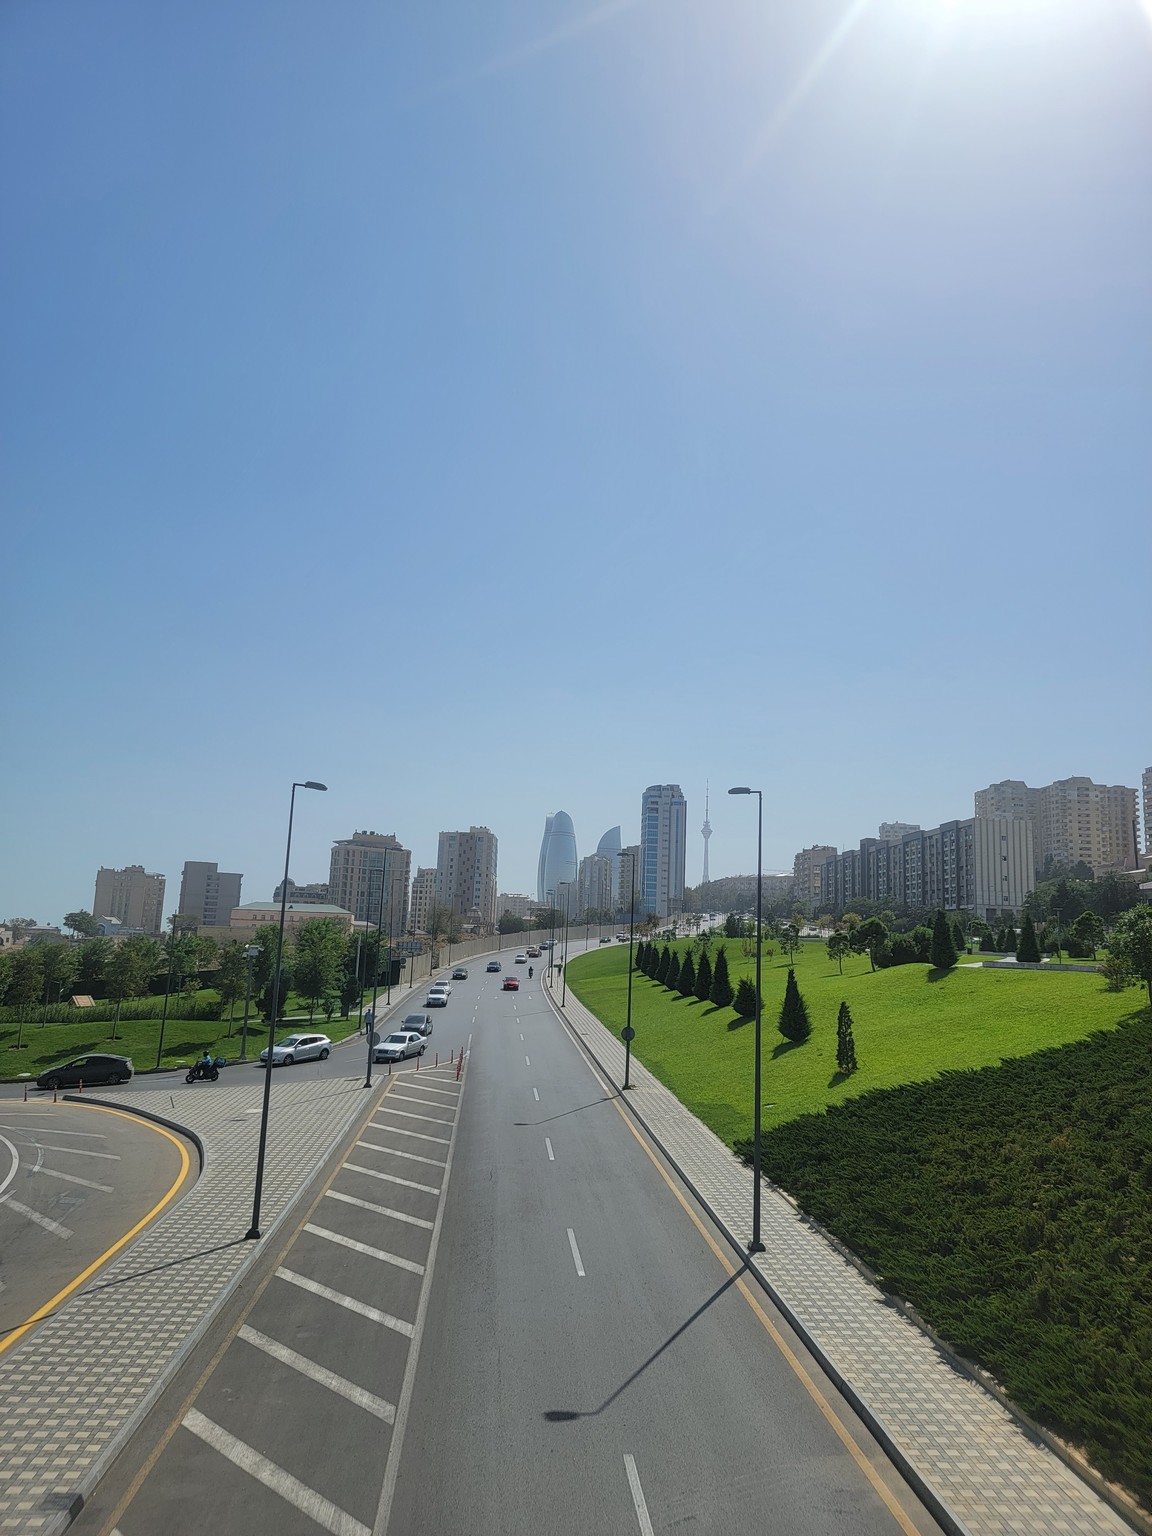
(784, 1047)
(839, 1077)
(739, 1023)
(939, 973)
(73, 1050)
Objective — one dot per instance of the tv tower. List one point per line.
(705, 833)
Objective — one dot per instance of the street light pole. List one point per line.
(631, 939)
(567, 926)
(167, 990)
(376, 975)
(251, 951)
(254, 1230)
(756, 1246)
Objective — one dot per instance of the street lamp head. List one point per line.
(741, 789)
(253, 950)
(311, 784)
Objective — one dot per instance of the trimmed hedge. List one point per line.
(105, 1012)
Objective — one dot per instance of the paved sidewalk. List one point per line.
(76, 1386)
(990, 1475)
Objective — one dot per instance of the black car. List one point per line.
(87, 1069)
(460, 973)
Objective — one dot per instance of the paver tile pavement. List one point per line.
(989, 1473)
(77, 1385)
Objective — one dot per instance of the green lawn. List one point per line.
(909, 1023)
(184, 1039)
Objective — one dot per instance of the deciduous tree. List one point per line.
(839, 946)
(868, 936)
(1130, 944)
(82, 924)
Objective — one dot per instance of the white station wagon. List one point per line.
(298, 1048)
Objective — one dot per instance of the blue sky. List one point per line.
(495, 409)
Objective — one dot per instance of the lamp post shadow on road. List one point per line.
(254, 1230)
(755, 1245)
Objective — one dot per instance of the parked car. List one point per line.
(511, 984)
(460, 973)
(421, 1023)
(295, 1048)
(87, 1069)
(398, 1045)
(521, 959)
(494, 965)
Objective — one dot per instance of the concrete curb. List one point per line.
(145, 1114)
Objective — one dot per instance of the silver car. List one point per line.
(402, 1043)
(416, 1023)
(298, 1048)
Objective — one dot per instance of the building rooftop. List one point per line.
(313, 908)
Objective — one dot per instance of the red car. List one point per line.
(511, 984)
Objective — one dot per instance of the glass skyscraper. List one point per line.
(558, 862)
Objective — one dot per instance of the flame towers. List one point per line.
(557, 864)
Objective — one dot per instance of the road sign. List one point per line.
(627, 1033)
(375, 1037)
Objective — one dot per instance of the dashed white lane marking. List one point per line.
(364, 1248)
(338, 1384)
(37, 1216)
(527, 1061)
(392, 1178)
(398, 1130)
(397, 1324)
(412, 1157)
(638, 1498)
(551, 1154)
(407, 1114)
(74, 1178)
(575, 1253)
(112, 1157)
(521, 1037)
(381, 1210)
(536, 1094)
(291, 1490)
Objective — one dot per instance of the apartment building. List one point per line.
(466, 874)
(628, 880)
(207, 894)
(806, 867)
(368, 875)
(132, 896)
(1146, 796)
(663, 849)
(1072, 820)
(594, 883)
(423, 897)
(984, 865)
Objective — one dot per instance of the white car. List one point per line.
(395, 1047)
(298, 1048)
(521, 959)
(437, 998)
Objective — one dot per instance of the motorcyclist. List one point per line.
(529, 973)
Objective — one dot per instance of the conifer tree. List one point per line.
(686, 984)
(794, 1022)
(1002, 941)
(943, 952)
(638, 958)
(662, 965)
(745, 1004)
(672, 979)
(987, 943)
(1027, 950)
(704, 977)
(1010, 940)
(845, 1044)
(721, 993)
(959, 941)
(651, 959)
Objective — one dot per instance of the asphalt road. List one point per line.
(498, 1316)
(74, 1179)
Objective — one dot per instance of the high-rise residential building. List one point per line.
(984, 865)
(132, 896)
(629, 884)
(806, 867)
(893, 831)
(369, 875)
(207, 894)
(466, 874)
(557, 864)
(1073, 820)
(423, 897)
(663, 848)
(515, 904)
(1146, 796)
(594, 884)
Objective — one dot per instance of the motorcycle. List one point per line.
(204, 1071)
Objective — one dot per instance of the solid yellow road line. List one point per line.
(825, 1407)
(50, 1306)
(109, 1527)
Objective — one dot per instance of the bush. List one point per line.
(745, 1004)
(131, 1009)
